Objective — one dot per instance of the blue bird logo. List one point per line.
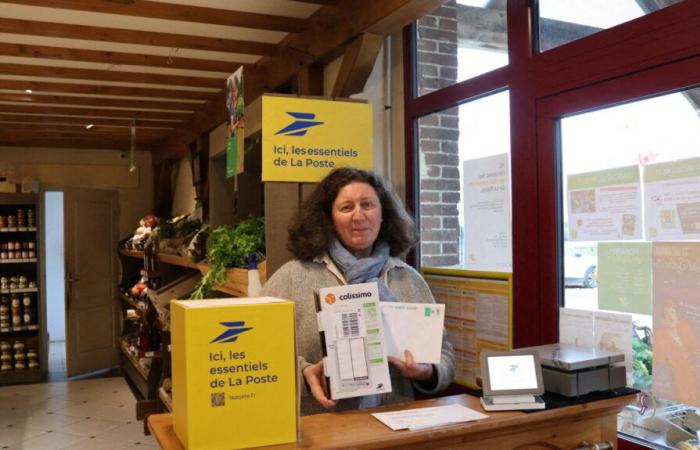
(301, 125)
(234, 329)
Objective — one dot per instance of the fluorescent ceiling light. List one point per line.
(28, 91)
(88, 126)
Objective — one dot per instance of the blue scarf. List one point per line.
(364, 270)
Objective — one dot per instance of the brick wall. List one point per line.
(438, 139)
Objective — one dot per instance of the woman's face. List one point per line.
(357, 217)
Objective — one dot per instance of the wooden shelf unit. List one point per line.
(33, 334)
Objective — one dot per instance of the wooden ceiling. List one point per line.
(69, 64)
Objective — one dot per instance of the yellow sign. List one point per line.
(234, 372)
(304, 139)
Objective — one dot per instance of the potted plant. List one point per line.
(228, 250)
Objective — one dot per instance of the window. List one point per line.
(460, 40)
(563, 21)
(464, 186)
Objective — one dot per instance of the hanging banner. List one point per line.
(303, 139)
(605, 205)
(487, 221)
(676, 319)
(672, 200)
(235, 154)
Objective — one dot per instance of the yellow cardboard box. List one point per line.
(234, 372)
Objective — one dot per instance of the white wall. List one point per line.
(184, 193)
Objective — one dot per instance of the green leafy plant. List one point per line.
(229, 246)
(641, 357)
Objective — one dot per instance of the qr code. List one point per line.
(218, 399)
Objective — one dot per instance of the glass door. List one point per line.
(620, 228)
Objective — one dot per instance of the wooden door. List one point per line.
(91, 221)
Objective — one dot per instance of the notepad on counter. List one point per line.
(419, 418)
(417, 327)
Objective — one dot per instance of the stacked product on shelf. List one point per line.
(21, 331)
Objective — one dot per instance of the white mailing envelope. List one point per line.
(416, 327)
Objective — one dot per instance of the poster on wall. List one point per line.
(605, 205)
(235, 154)
(487, 219)
(477, 316)
(624, 277)
(303, 139)
(672, 200)
(676, 320)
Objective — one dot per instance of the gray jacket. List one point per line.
(297, 280)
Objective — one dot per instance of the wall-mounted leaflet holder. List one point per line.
(512, 380)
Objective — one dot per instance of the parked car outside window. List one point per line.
(580, 264)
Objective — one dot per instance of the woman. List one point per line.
(351, 230)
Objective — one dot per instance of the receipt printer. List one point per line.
(571, 370)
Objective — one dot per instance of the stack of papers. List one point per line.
(416, 419)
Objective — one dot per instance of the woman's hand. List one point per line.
(409, 368)
(313, 375)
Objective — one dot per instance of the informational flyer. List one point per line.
(576, 327)
(672, 200)
(355, 359)
(676, 320)
(487, 216)
(605, 205)
(624, 277)
(468, 302)
(613, 333)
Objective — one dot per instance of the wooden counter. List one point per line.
(563, 428)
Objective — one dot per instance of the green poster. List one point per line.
(624, 277)
(232, 152)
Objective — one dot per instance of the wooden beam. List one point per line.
(172, 11)
(98, 102)
(321, 36)
(82, 121)
(310, 80)
(94, 112)
(71, 140)
(134, 59)
(80, 131)
(96, 89)
(358, 62)
(108, 75)
(104, 34)
(319, 2)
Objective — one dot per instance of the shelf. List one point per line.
(166, 258)
(133, 359)
(20, 376)
(17, 261)
(18, 230)
(166, 399)
(130, 301)
(236, 283)
(18, 291)
(19, 329)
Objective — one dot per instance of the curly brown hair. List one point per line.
(312, 227)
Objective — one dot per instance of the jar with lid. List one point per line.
(20, 365)
(3, 221)
(32, 365)
(6, 358)
(5, 367)
(20, 356)
(19, 345)
(32, 353)
(30, 218)
(28, 316)
(11, 221)
(5, 346)
(16, 303)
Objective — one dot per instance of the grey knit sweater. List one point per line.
(297, 281)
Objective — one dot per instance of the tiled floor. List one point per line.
(71, 414)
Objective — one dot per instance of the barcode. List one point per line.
(351, 325)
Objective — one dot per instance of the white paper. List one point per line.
(416, 327)
(613, 333)
(414, 419)
(355, 361)
(576, 327)
(486, 206)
